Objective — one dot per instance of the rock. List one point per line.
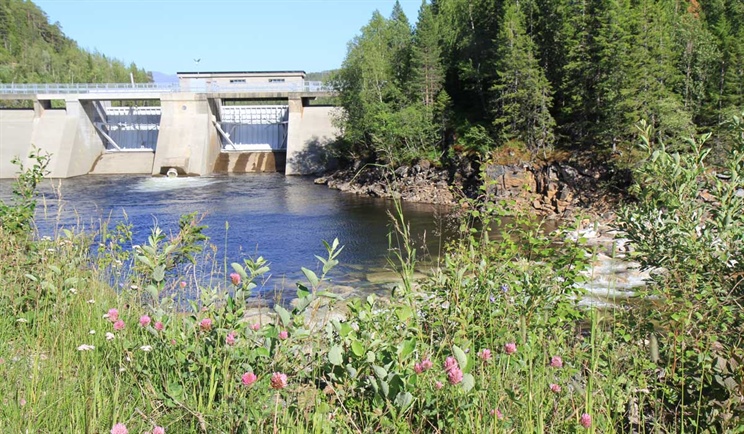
(321, 181)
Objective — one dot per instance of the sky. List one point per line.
(226, 35)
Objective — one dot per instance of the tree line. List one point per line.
(476, 75)
(34, 51)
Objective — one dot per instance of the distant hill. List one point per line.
(161, 77)
(320, 76)
(34, 51)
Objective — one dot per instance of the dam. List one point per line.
(206, 123)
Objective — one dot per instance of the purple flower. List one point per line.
(283, 335)
(112, 314)
(230, 339)
(417, 368)
(255, 327)
(158, 430)
(510, 348)
(485, 354)
(555, 388)
(119, 428)
(504, 287)
(206, 324)
(438, 385)
(450, 364)
(144, 321)
(454, 375)
(119, 325)
(159, 326)
(497, 414)
(556, 362)
(585, 420)
(278, 380)
(235, 278)
(248, 378)
(426, 364)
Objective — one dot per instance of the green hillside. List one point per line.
(36, 51)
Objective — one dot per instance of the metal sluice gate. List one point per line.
(240, 127)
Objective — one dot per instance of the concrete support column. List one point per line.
(188, 140)
(294, 137)
(40, 105)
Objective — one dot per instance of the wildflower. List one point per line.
(278, 380)
(159, 326)
(556, 362)
(230, 340)
(22, 320)
(255, 327)
(22, 401)
(146, 348)
(92, 332)
(249, 378)
(426, 364)
(145, 321)
(183, 284)
(86, 347)
(159, 429)
(119, 428)
(283, 335)
(510, 348)
(585, 420)
(206, 324)
(450, 364)
(112, 314)
(485, 354)
(119, 325)
(235, 278)
(438, 385)
(73, 291)
(555, 388)
(417, 368)
(110, 336)
(454, 376)
(497, 414)
(133, 287)
(91, 301)
(504, 287)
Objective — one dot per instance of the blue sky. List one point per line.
(238, 35)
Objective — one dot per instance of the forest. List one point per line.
(539, 75)
(35, 51)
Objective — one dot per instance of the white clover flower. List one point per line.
(86, 347)
(73, 291)
(110, 336)
(146, 348)
(24, 320)
(91, 301)
(92, 332)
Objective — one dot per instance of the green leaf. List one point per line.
(302, 291)
(311, 277)
(158, 274)
(462, 358)
(468, 382)
(239, 269)
(403, 400)
(262, 352)
(283, 315)
(351, 371)
(406, 348)
(345, 329)
(357, 348)
(380, 372)
(335, 355)
(404, 312)
(55, 269)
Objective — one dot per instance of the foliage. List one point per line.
(688, 225)
(573, 74)
(16, 218)
(36, 51)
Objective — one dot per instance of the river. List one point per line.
(283, 219)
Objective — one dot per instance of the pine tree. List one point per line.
(522, 94)
(427, 73)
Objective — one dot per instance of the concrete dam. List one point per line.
(207, 123)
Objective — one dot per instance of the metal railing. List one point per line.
(83, 88)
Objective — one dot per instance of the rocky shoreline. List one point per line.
(556, 189)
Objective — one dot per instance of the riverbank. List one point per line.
(556, 190)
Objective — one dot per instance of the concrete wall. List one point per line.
(250, 162)
(16, 127)
(124, 163)
(226, 80)
(310, 130)
(187, 140)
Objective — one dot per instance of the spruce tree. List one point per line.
(522, 95)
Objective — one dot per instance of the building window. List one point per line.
(276, 80)
(237, 81)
